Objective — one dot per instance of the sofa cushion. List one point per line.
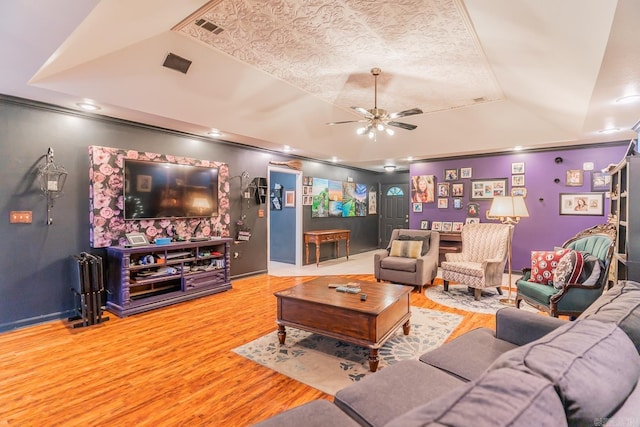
(467, 268)
(577, 267)
(593, 366)
(454, 356)
(392, 391)
(424, 239)
(543, 263)
(504, 397)
(406, 248)
(317, 413)
(398, 264)
(619, 305)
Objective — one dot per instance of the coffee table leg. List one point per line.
(373, 360)
(406, 328)
(282, 334)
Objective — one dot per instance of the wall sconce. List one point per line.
(52, 178)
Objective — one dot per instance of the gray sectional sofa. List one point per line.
(533, 371)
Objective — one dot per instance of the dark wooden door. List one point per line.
(394, 210)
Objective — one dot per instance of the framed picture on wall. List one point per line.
(443, 189)
(457, 189)
(417, 207)
(424, 224)
(517, 180)
(486, 189)
(289, 199)
(436, 225)
(456, 226)
(574, 178)
(517, 168)
(443, 203)
(582, 204)
(465, 173)
(519, 191)
(447, 225)
(457, 203)
(600, 181)
(472, 221)
(450, 174)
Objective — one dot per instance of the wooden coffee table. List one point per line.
(314, 307)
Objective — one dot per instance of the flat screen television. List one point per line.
(169, 190)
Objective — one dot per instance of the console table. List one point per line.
(322, 236)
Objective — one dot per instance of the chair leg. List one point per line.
(378, 280)
(446, 285)
(499, 290)
(477, 292)
(518, 301)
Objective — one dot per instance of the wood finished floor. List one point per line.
(171, 367)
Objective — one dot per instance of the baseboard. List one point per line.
(23, 323)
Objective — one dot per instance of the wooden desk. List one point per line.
(322, 236)
(449, 242)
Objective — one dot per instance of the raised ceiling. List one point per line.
(489, 74)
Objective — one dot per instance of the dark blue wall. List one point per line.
(545, 228)
(35, 259)
(283, 229)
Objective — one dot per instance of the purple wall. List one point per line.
(545, 227)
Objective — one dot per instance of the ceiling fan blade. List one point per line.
(405, 113)
(339, 123)
(406, 126)
(363, 111)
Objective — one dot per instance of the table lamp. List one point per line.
(509, 210)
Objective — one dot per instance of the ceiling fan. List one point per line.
(378, 119)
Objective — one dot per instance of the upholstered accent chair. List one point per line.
(481, 262)
(411, 258)
(573, 291)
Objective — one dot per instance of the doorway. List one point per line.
(394, 210)
(284, 212)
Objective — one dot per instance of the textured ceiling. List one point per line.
(326, 48)
(545, 73)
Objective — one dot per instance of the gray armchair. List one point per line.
(404, 267)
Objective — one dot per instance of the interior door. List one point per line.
(394, 210)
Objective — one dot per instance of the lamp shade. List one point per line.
(508, 207)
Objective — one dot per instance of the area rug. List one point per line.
(461, 298)
(330, 365)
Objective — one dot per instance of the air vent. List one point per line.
(177, 63)
(209, 26)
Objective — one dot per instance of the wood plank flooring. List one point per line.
(171, 367)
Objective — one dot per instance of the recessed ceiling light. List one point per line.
(410, 159)
(389, 168)
(286, 148)
(518, 148)
(627, 99)
(214, 133)
(88, 106)
(334, 159)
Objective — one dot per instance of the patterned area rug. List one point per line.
(330, 365)
(461, 298)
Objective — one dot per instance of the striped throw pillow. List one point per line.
(406, 248)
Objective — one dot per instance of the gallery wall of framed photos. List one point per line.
(566, 188)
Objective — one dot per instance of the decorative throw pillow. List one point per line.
(424, 240)
(406, 248)
(577, 267)
(543, 263)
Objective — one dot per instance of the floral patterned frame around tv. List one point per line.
(106, 183)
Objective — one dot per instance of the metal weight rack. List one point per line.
(88, 289)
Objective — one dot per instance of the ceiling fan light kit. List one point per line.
(378, 119)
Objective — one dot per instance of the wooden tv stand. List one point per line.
(143, 278)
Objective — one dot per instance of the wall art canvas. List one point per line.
(320, 203)
(422, 188)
